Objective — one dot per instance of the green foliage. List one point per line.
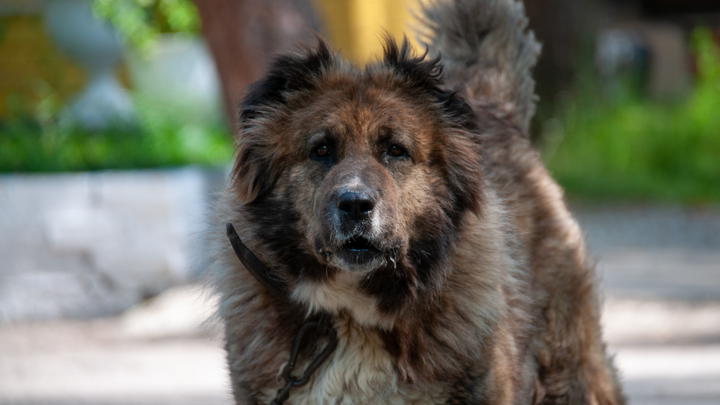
(41, 140)
(42, 144)
(624, 146)
(140, 21)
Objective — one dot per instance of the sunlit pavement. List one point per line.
(660, 268)
(668, 353)
(671, 375)
(162, 353)
(661, 318)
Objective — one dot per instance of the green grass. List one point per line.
(624, 146)
(160, 139)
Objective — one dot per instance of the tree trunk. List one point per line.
(243, 34)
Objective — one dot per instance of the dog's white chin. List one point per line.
(374, 264)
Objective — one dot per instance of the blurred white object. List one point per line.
(184, 311)
(95, 47)
(178, 72)
(92, 244)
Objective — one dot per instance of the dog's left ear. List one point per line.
(462, 152)
(464, 172)
(461, 160)
(425, 75)
(259, 162)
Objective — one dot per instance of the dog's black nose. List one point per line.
(356, 205)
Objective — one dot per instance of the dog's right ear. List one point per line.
(258, 162)
(287, 73)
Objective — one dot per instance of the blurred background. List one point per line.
(116, 130)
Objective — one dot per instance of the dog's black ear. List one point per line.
(425, 75)
(464, 173)
(287, 73)
(259, 162)
(256, 169)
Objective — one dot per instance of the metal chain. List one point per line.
(291, 381)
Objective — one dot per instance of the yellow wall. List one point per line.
(31, 68)
(355, 27)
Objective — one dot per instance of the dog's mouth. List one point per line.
(358, 244)
(358, 250)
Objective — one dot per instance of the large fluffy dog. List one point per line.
(404, 202)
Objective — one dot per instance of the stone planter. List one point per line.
(91, 244)
(103, 103)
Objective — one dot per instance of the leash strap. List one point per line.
(323, 325)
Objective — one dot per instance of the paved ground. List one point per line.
(661, 272)
(162, 353)
(661, 268)
(655, 253)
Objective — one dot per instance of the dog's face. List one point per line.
(369, 171)
(360, 166)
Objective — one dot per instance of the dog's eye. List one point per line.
(396, 151)
(322, 151)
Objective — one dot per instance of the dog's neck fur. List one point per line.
(487, 275)
(378, 353)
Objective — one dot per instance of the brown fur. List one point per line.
(479, 290)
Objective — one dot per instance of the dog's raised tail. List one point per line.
(487, 51)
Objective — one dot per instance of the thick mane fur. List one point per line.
(404, 202)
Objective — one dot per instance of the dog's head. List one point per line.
(366, 172)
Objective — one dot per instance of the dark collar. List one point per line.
(323, 323)
(255, 266)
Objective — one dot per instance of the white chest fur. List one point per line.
(360, 371)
